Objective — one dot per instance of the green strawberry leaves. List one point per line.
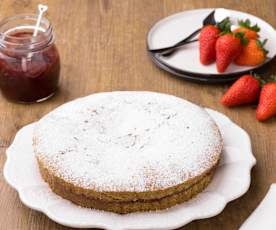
(225, 26)
(263, 81)
(243, 40)
(261, 44)
(247, 24)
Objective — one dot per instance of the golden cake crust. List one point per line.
(124, 203)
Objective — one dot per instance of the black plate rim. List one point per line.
(193, 78)
(204, 77)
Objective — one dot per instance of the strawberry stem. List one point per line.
(263, 81)
(240, 35)
(225, 26)
(272, 78)
(261, 44)
(247, 24)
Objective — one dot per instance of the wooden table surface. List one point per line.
(102, 48)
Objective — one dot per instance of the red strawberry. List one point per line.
(245, 90)
(267, 102)
(228, 47)
(207, 43)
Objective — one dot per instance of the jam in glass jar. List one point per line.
(29, 66)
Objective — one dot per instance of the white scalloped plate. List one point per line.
(231, 181)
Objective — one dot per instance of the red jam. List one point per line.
(31, 75)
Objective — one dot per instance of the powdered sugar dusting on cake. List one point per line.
(127, 141)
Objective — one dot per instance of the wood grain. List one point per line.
(102, 48)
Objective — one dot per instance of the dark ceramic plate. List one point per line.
(185, 62)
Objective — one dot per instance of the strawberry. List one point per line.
(267, 102)
(228, 47)
(250, 32)
(245, 90)
(252, 54)
(207, 43)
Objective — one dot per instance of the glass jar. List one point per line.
(29, 66)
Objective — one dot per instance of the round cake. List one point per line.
(127, 151)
